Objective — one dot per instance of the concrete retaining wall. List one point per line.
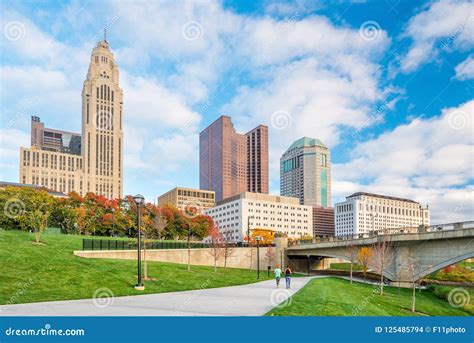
(240, 257)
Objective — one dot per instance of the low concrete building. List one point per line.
(188, 197)
(323, 221)
(5, 184)
(365, 212)
(235, 215)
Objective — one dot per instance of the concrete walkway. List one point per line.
(246, 300)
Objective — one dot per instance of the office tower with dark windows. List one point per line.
(231, 163)
(257, 160)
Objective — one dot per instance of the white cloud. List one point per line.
(167, 36)
(30, 79)
(465, 69)
(325, 77)
(267, 41)
(10, 142)
(444, 25)
(430, 160)
(148, 102)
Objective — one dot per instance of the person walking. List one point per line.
(277, 272)
(288, 277)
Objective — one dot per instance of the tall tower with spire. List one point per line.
(102, 135)
(65, 161)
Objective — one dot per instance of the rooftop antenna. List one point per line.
(105, 34)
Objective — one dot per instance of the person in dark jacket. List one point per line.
(288, 277)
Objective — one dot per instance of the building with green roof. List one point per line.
(305, 172)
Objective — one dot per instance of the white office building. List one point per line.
(262, 211)
(362, 213)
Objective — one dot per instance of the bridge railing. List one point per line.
(398, 231)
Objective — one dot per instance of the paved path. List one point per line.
(246, 300)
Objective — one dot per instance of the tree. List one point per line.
(352, 251)
(63, 215)
(411, 269)
(269, 256)
(363, 258)
(382, 256)
(266, 235)
(16, 202)
(228, 250)
(145, 229)
(198, 227)
(249, 254)
(158, 221)
(189, 246)
(36, 220)
(216, 245)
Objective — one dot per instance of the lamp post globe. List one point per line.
(139, 199)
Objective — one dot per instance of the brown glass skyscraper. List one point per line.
(231, 163)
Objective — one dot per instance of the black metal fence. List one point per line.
(111, 244)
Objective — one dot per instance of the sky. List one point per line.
(387, 85)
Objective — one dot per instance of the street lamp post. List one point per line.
(139, 200)
(258, 239)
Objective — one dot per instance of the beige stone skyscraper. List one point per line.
(92, 162)
(102, 135)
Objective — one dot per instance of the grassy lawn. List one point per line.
(337, 297)
(31, 273)
(345, 266)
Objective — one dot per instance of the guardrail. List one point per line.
(369, 235)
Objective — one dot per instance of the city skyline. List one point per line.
(403, 129)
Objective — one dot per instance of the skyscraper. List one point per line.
(305, 172)
(257, 160)
(231, 163)
(92, 162)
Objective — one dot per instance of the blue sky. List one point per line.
(387, 85)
